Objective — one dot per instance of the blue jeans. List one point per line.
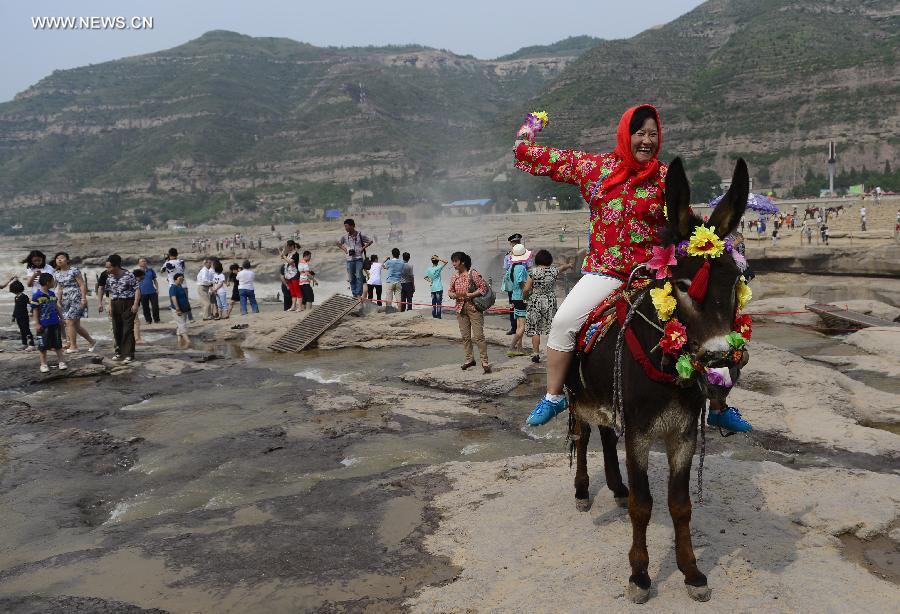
(436, 299)
(248, 295)
(355, 274)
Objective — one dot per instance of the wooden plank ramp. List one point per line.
(838, 317)
(314, 325)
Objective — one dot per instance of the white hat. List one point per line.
(519, 253)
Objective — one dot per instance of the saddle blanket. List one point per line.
(603, 315)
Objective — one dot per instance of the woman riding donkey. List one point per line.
(625, 190)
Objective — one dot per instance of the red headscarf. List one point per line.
(629, 166)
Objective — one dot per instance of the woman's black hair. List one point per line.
(58, 254)
(234, 266)
(16, 286)
(462, 257)
(217, 266)
(374, 257)
(543, 258)
(35, 253)
(639, 117)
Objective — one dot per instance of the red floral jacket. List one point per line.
(624, 225)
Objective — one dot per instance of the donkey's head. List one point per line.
(704, 287)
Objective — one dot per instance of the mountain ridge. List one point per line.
(264, 126)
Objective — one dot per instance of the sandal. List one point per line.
(468, 365)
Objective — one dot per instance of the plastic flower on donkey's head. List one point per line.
(705, 242)
(663, 301)
(674, 337)
(662, 259)
(743, 292)
(743, 324)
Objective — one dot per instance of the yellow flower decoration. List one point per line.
(663, 301)
(744, 293)
(705, 242)
(542, 115)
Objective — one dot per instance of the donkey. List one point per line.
(655, 410)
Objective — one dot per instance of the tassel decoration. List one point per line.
(700, 283)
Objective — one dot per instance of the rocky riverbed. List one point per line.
(371, 474)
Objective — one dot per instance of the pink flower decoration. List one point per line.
(662, 259)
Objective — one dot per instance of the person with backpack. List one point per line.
(515, 278)
(466, 286)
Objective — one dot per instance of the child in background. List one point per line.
(20, 314)
(306, 278)
(218, 288)
(139, 276)
(178, 301)
(47, 316)
(172, 266)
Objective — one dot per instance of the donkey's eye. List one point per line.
(682, 285)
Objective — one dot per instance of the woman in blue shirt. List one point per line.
(433, 275)
(515, 280)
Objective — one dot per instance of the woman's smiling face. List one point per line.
(645, 141)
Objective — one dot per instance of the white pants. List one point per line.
(590, 291)
(181, 323)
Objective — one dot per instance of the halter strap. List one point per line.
(637, 351)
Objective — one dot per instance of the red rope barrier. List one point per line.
(495, 310)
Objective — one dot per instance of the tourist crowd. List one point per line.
(53, 298)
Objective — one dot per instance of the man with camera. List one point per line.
(354, 244)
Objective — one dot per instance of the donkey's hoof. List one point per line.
(636, 594)
(583, 505)
(699, 593)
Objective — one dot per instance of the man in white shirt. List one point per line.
(205, 282)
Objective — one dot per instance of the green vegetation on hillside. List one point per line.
(254, 128)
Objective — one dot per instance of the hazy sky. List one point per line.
(483, 28)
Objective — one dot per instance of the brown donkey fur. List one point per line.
(655, 410)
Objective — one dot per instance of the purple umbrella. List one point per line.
(755, 202)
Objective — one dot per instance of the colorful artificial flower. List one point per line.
(735, 340)
(719, 376)
(744, 325)
(662, 259)
(674, 337)
(743, 292)
(684, 367)
(705, 242)
(663, 301)
(539, 119)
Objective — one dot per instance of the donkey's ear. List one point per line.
(730, 209)
(678, 199)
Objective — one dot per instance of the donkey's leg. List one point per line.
(611, 465)
(680, 450)
(640, 506)
(582, 481)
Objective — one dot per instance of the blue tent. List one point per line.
(332, 214)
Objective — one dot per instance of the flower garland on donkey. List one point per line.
(625, 190)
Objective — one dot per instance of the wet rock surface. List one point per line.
(225, 478)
